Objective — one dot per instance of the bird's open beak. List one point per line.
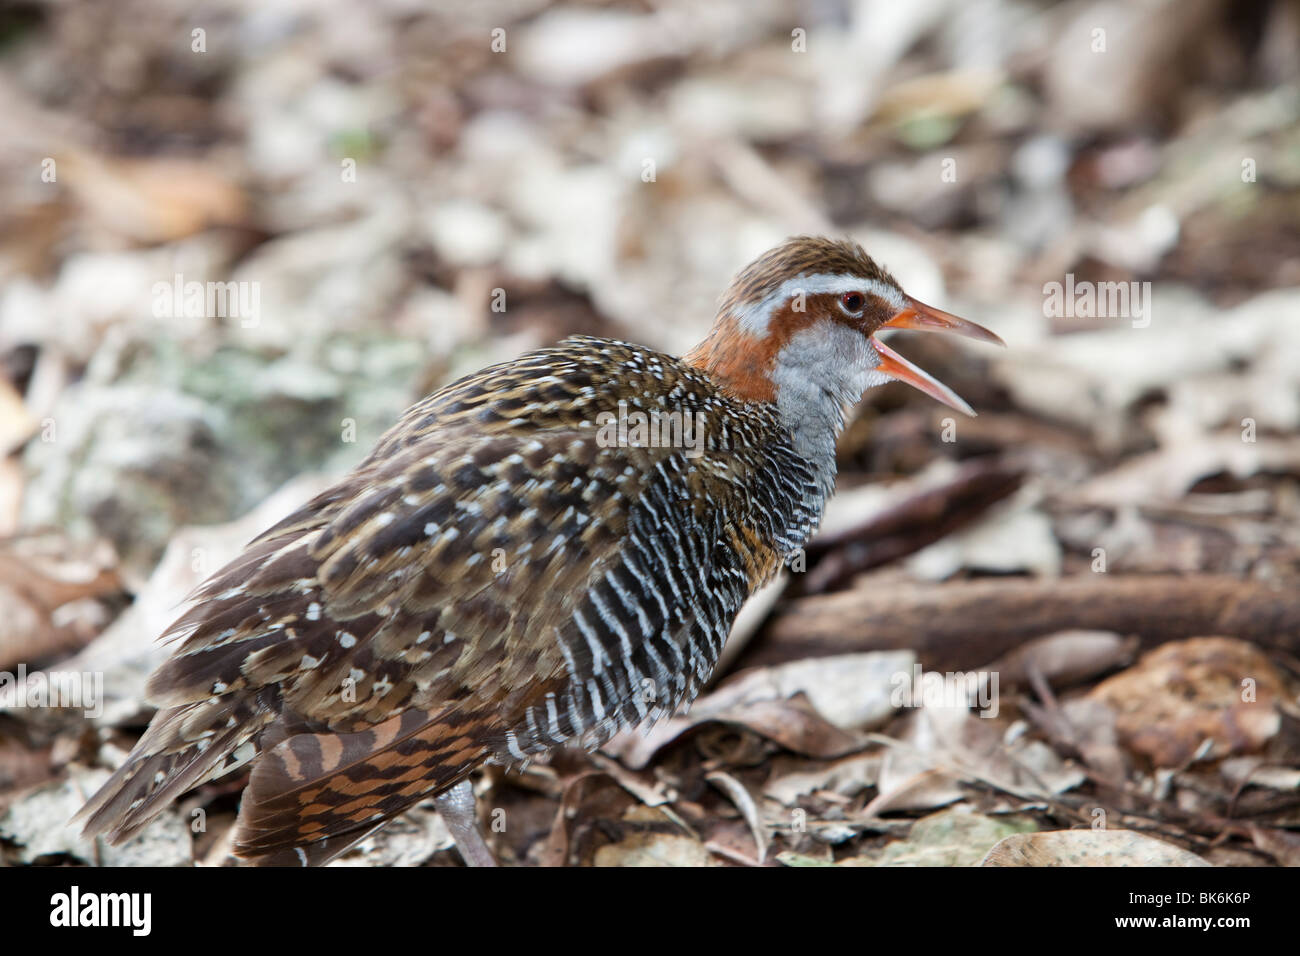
(918, 315)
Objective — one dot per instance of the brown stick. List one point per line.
(967, 624)
(911, 524)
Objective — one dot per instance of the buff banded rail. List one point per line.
(498, 578)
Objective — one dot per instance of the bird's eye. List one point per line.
(852, 301)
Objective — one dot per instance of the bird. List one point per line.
(540, 554)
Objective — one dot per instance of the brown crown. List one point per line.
(801, 255)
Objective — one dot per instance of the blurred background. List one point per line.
(238, 238)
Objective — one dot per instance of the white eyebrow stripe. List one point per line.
(754, 318)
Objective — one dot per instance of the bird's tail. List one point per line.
(312, 796)
(184, 746)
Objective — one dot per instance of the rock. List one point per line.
(129, 463)
(160, 438)
(1208, 696)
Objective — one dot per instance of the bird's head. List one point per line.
(800, 323)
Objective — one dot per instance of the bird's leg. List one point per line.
(456, 807)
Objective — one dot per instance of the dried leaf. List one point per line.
(744, 801)
(655, 849)
(1088, 848)
(37, 823)
(955, 837)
